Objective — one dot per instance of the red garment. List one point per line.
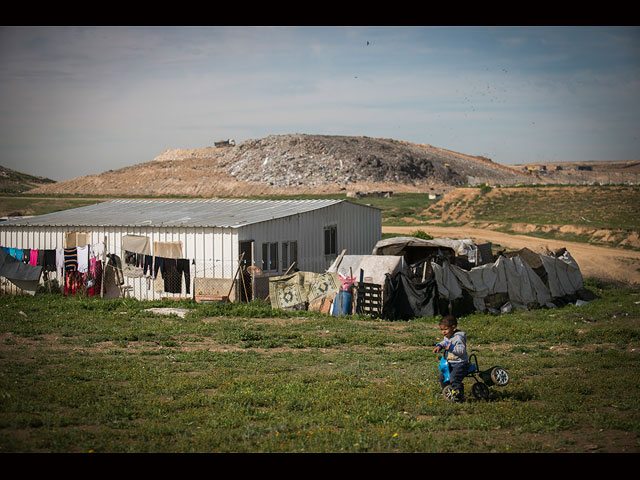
(94, 277)
(73, 283)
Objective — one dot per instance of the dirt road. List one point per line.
(594, 261)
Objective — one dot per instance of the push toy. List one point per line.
(494, 376)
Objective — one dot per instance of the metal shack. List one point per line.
(152, 249)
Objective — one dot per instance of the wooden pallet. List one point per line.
(368, 298)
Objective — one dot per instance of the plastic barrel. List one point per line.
(342, 303)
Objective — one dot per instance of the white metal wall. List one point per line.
(211, 252)
(359, 228)
(214, 252)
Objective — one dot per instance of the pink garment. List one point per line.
(33, 257)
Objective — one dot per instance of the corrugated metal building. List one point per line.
(211, 235)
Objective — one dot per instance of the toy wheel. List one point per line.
(480, 391)
(499, 376)
(449, 394)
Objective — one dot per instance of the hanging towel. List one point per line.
(33, 257)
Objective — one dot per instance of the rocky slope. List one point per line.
(12, 181)
(295, 163)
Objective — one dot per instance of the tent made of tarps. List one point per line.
(368, 268)
(408, 299)
(22, 275)
(416, 249)
(511, 276)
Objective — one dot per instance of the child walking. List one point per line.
(454, 346)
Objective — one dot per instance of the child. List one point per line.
(455, 352)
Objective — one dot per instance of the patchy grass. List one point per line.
(87, 374)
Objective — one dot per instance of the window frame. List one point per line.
(269, 264)
(331, 242)
(288, 257)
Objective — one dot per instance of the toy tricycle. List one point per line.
(480, 389)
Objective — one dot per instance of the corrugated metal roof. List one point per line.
(174, 213)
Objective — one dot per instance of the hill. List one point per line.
(587, 172)
(12, 181)
(294, 163)
(603, 215)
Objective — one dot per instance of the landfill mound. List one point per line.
(294, 163)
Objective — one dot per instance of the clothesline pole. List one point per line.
(235, 276)
(104, 265)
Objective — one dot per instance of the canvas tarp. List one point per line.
(22, 275)
(407, 299)
(511, 276)
(413, 248)
(291, 291)
(374, 267)
(563, 274)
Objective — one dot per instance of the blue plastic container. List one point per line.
(342, 303)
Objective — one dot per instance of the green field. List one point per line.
(93, 375)
(599, 207)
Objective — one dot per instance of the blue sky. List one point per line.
(81, 100)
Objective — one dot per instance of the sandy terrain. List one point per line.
(594, 261)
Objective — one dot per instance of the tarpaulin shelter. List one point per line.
(368, 268)
(368, 275)
(522, 279)
(415, 249)
(407, 298)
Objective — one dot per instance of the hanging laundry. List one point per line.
(172, 280)
(40, 259)
(49, 262)
(94, 277)
(97, 250)
(148, 264)
(60, 259)
(130, 258)
(33, 257)
(70, 259)
(158, 265)
(182, 266)
(83, 258)
(73, 283)
(26, 277)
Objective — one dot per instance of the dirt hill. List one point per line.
(587, 172)
(294, 163)
(12, 181)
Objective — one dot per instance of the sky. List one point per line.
(76, 101)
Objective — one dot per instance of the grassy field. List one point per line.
(93, 375)
(599, 214)
(601, 207)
